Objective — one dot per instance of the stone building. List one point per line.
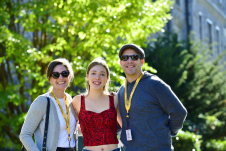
(205, 18)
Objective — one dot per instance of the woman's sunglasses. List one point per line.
(126, 57)
(56, 75)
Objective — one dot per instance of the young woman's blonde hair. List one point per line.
(95, 62)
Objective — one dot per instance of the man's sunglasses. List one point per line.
(126, 57)
(56, 75)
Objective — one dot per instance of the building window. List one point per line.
(178, 2)
(224, 45)
(209, 32)
(224, 32)
(218, 39)
(200, 26)
(225, 54)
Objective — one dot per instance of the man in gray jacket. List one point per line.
(151, 113)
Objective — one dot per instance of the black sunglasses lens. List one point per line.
(124, 58)
(65, 73)
(134, 57)
(55, 75)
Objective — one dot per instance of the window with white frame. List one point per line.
(224, 33)
(200, 26)
(209, 32)
(218, 39)
(225, 54)
(224, 39)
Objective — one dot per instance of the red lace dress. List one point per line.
(98, 128)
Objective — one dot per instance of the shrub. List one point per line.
(187, 141)
(216, 145)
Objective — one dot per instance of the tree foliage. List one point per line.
(33, 33)
(198, 79)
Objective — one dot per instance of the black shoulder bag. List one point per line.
(46, 128)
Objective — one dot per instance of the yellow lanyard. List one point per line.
(67, 119)
(128, 102)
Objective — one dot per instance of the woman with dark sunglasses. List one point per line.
(62, 118)
(97, 110)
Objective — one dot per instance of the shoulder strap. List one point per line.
(46, 126)
(112, 103)
(82, 103)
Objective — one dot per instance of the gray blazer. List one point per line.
(35, 124)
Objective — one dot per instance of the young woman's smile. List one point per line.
(97, 77)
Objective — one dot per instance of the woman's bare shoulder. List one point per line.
(76, 98)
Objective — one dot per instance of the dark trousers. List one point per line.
(117, 149)
(65, 149)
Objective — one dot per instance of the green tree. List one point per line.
(197, 78)
(33, 33)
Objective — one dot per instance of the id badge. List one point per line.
(128, 134)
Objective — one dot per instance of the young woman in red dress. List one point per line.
(97, 110)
